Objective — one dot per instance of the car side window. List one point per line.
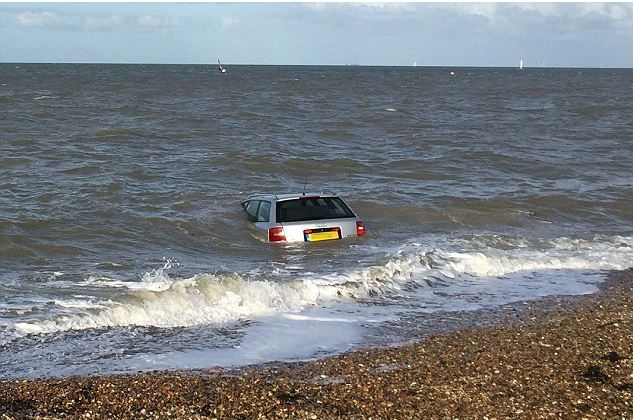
(263, 215)
(251, 210)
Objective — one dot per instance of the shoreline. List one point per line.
(556, 357)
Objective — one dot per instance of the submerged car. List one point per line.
(302, 217)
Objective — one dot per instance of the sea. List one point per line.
(124, 248)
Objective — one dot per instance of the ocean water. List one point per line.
(123, 247)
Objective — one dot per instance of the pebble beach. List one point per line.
(567, 357)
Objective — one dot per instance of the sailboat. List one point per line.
(520, 64)
(220, 68)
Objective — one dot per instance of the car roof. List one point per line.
(290, 196)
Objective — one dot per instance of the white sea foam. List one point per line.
(78, 303)
(602, 253)
(163, 301)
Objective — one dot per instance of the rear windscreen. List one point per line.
(312, 208)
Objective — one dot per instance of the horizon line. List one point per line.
(299, 65)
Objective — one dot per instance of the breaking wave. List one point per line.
(166, 301)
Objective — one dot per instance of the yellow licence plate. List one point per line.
(322, 236)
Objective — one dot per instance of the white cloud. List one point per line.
(154, 21)
(620, 14)
(91, 21)
(487, 10)
(50, 20)
(103, 22)
(614, 11)
(38, 19)
(150, 21)
(362, 9)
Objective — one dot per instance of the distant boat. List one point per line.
(520, 64)
(220, 68)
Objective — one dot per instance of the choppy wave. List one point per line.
(160, 300)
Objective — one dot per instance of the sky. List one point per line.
(330, 33)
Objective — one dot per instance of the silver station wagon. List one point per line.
(302, 217)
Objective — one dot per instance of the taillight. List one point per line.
(360, 228)
(276, 234)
